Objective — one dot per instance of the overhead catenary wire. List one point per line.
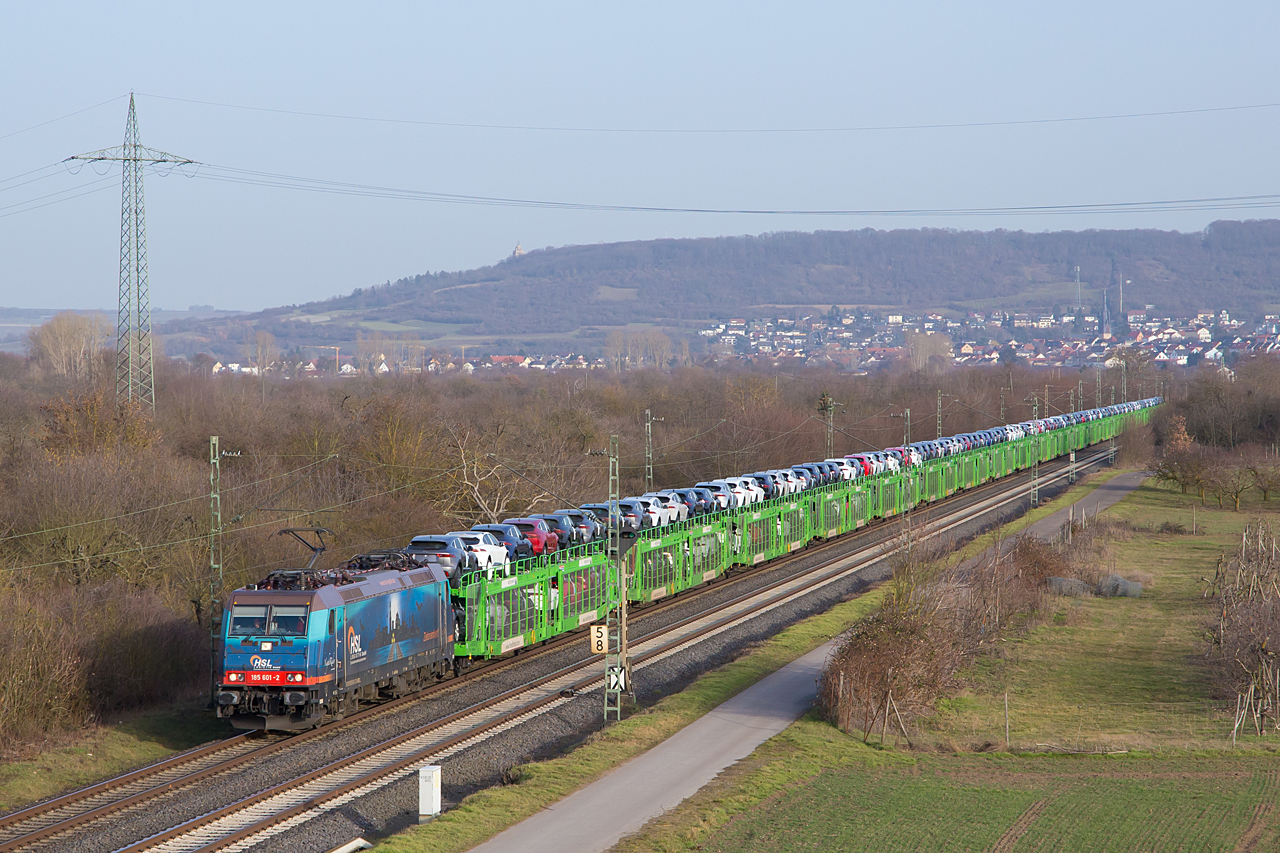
(335, 507)
(204, 496)
(775, 437)
(967, 406)
(205, 537)
(850, 435)
(712, 429)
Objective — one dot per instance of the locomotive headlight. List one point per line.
(295, 677)
(235, 676)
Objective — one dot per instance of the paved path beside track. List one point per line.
(1100, 499)
(596, 817)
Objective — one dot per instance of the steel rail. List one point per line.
(123, 779)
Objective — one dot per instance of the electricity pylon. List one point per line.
(135, 367)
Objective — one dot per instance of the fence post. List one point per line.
(1006, 719)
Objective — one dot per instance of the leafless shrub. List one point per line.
(91, 651)
(937, 616)
(1037, 561)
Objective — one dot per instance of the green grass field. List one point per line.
(1111, 674)
(1014, 803)
(1099, 676)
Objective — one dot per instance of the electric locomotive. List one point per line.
(303, 646)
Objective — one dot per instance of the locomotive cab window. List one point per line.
(289, 620)
(248, 620)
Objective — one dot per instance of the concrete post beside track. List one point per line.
(428, 792)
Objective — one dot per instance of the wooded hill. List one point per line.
(1232, 265)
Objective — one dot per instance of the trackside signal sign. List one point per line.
(599, 639)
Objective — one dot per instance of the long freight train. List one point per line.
(304, 646)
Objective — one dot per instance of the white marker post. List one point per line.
(428, 792)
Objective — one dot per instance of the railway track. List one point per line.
(248, 821)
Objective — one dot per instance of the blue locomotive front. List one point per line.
(304, 646)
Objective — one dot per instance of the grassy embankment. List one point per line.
(105, 751)
(1073, 494)
(1117, 675)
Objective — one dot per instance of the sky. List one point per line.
(723, 106)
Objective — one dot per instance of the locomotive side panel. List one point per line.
(388, 638)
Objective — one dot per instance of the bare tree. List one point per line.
(615, 350)
(1266, 474)
(635, 350)
(482, 485)
(929, 351)
(1232, 480)
(659, 346)
(264, 350)
(68, 345)
(1187, 469)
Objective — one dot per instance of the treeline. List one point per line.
(1232, 265)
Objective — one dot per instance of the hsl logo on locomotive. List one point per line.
(259, 662)
(353, 644)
